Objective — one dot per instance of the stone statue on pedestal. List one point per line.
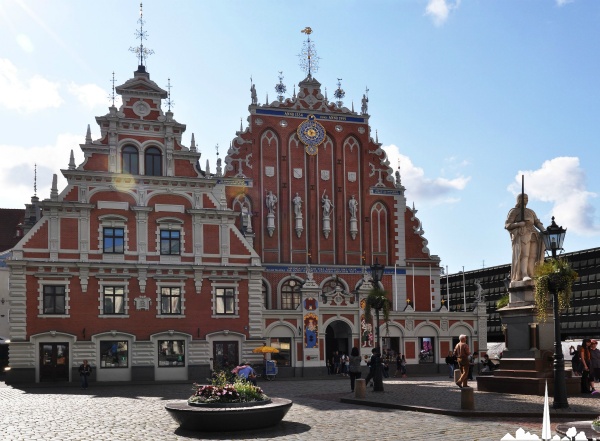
(527, 242)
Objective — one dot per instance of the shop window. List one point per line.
(426, 353)
(54, 299)
(284, 356)
(171, 353)
(114, 354)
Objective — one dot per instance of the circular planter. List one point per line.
(231, 417)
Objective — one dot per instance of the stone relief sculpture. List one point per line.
(527, 242)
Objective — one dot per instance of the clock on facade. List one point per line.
(312, 134)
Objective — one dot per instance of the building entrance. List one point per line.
(226, 354)
(338, 337)
(54, 362)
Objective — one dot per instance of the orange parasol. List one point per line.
(265, 350)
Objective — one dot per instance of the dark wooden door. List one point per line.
(54, 362)
(226, 354)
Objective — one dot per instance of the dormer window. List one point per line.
(130, 160)
(152, 162)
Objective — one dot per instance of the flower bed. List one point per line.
(228, 405)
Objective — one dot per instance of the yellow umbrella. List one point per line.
(265, 350)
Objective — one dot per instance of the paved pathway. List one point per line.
(136, 412)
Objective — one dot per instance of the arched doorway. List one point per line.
(338, 337)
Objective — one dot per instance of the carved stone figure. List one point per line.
(327, 205)
(297, 205)
(271, 200)
(253, 94)
(353, 206)
(365, 105)
(527, 241)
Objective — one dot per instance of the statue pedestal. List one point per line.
(527, 361)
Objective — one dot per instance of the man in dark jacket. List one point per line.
(85, 370)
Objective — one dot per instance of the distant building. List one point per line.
(581, 320)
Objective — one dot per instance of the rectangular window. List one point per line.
(225, 301)
(114, 354)
(54, 299)
(171, 353)
(114, 300)
(170, 242)
(283, 357)
(170, 300)
(114, 240)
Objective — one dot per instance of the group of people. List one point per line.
(586, 363)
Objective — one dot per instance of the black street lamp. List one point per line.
(378, 303)
(553, 239)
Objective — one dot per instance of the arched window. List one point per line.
(130, 160)
(290, 294)
(153, 162)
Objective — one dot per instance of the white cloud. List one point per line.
(25, 43)
(439, 10)
(421, 188)
(26, 94)
(560, 3)
(17, 175)
(90, 95)
(562, 182)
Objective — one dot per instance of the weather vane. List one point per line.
(339, 93)
(309, 61)
(280, 88)
(170, 102)
(140, 51)
(112, 95)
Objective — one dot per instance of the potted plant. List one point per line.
(553, 275)
(228, 403)
(378, 300)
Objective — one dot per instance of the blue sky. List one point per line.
(468, 95)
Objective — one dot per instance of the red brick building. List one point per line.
(153, 269)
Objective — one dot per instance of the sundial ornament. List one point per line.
(312, 134)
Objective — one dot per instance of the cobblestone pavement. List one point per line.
(136, 412)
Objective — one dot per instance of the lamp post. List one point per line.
(553, 239)
(378, 304)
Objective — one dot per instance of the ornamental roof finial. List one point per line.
(309, 61)
(140, 51)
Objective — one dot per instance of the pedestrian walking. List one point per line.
(403, 366)
(595, 362)
(374, 364)
(451, 362)
(586, 357)
(354, 367)
(462, 352)
(85, 370)
(472, 362)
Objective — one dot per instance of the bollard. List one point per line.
(467, 398)
(456, 375)
(360, 388)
